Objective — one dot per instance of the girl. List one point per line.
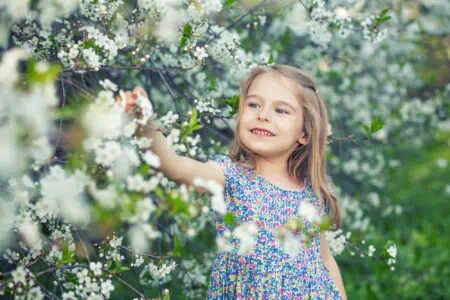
(277, 161)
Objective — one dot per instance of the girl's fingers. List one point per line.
(140, 91)
(130, 98)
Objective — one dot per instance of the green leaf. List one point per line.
(68, 256)
(194, 118)
(178, 247)
(228, 3)
(383, 17)
(159, 192)
(325, 224)
(187, 34)
(166, 296)
(375, 126)
(143, 170)
(233, 102)
(108, 264)
(212, 84)
(229, 219)
(271, 60)
(123, 269)
(366, 129)
(66, 113)
(192, 126)
(89, 44)
(37, 74)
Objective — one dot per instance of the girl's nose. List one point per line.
(263, 115)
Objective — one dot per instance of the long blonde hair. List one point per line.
(307, 160)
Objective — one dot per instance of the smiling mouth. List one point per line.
(261, 133)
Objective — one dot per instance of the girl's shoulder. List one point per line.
(230, 167)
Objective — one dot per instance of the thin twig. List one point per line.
(83, 245)
(237, 21)
(128, 285)
(63, 104)
(139, 68)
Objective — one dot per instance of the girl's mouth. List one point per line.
(261, 133)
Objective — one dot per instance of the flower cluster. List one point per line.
(104, 178)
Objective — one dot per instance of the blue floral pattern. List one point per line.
(267, 272)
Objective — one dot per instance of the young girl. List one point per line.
(277, 161)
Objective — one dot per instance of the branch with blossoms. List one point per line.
(299, 233)
(104, 178)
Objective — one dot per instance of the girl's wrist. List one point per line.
(149, 129)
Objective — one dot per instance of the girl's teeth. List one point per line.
(262, 133)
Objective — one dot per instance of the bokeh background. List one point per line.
(382, 67)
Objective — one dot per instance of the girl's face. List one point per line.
(271, 104)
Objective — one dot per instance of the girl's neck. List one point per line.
(271, 168)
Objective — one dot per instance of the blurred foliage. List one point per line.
(421, 231)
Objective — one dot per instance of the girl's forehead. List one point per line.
(274, 86)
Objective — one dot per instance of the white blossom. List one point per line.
(107, 288)
(96, 267)
(308, 212)
(392, 250)
(217, 199)
(246, 233)
(151, 159)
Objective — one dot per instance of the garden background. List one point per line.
(84, 212)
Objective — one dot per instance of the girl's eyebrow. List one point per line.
(276, 101)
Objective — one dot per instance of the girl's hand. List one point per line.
(131, 100)
(142, 111)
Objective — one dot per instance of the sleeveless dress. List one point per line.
(267, 272)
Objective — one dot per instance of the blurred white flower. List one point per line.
(103, 119)
(151, 159)
(8, 67)
(63, 192)
(442, 163)
(41, 150)
(292, 244)
(167, 27)
(19, 275)
(7, 216)
(223, 244)
(144, 209)
(308, 212)
(246, 233)
(336, 241)
(447, 189)
(108, 85)
(392, 250)
(107, 288)
(10, 153)
(140, 235)
(217, 199)
(96, 267)
(341, 12)
(200, 53)
(29, 230)
(92, 59)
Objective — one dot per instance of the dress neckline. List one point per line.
(283, 189)
(267, 182)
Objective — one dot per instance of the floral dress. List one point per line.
(267, 271)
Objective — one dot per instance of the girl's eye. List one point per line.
(252, 103)
(282, 110)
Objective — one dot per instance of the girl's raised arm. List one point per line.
(178, 168)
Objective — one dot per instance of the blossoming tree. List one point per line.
(85, 212)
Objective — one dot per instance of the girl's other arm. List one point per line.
(331, 265)
(178, 168)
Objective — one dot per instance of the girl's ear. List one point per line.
(303, 139)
